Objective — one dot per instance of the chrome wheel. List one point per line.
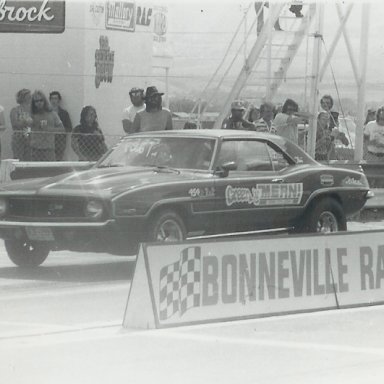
(327, 222)
(169, 230)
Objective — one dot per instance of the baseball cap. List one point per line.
(238, 104)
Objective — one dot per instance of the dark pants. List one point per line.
(46, 154)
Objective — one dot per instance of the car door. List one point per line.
(261, 193)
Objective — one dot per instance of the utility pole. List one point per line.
(362, 80)
(314, 92)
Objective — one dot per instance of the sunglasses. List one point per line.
(38, 101)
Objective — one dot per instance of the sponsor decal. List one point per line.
(32, 16)
(143, 16)
(97, 12)
(120, 15)
(327, 180)
(265, 194)
(104, 62)
(351, 181)
(160, 24)
(202, 192)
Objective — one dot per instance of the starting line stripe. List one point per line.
(67, 291)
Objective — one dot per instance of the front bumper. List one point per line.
(111, 236)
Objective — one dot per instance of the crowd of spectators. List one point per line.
(41, 128)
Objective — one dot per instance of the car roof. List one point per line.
(209, 133)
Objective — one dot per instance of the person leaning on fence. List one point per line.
(236, 119)
(374, 137)
(87, 138)
(286, 122)
(46, 123)
(154, 117)
(265, 123)
(137, 99)
(60, 139)
(21, 122)
(326, 105)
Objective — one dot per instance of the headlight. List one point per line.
(3, 207)
(94, 209)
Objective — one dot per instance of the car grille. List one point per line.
(47, 209)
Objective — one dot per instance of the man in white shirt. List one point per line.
(137, 99)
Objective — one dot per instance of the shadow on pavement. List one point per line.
(73, 273)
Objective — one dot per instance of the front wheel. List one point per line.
(167, 226)
(25, 253)
(325, 216)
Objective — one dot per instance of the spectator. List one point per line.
(253, 114)
(154, 117)
(325, 138)
(60, 139)
(265, 123)
(236, 119)
(326, 105)
(129, 113)
(87, 138)
(287, 120)
(21, 122)
(2, 123)
(371, 116)
(259, 8)
(374, 136)
(44, 126)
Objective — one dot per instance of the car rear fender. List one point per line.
(322, 194)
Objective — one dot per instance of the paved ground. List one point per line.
(61, 324)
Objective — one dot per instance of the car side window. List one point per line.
(249, 155)
(279, 162)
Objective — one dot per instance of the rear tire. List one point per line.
(25, 253)
(324, 216)
(167, 226)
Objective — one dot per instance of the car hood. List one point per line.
(102, 182)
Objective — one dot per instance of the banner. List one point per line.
(198, 282)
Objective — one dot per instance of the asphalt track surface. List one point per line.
(61, 323)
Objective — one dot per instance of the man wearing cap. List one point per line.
(129, 113)
(236, 119)
(154, 117)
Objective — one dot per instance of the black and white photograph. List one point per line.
(191, 191)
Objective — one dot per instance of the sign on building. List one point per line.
(31, 16)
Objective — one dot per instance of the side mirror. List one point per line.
(223, 169)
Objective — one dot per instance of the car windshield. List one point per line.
(173, 152)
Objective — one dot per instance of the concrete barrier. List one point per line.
(200, 282)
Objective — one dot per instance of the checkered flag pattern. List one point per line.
(180, 284)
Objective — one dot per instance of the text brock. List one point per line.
(273, 275)
(23, 14)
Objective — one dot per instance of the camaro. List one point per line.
(174, 185)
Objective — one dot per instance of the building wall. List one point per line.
(66, 62)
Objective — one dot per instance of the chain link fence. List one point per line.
(50, 146)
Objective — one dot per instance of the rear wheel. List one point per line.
(167, 226)
(325, 216)
(25, 253)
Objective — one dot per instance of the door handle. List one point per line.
(277, 180)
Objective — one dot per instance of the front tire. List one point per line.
(324, 216)
(25, 253)
(167, 226)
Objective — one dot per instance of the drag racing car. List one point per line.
(175, 185)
